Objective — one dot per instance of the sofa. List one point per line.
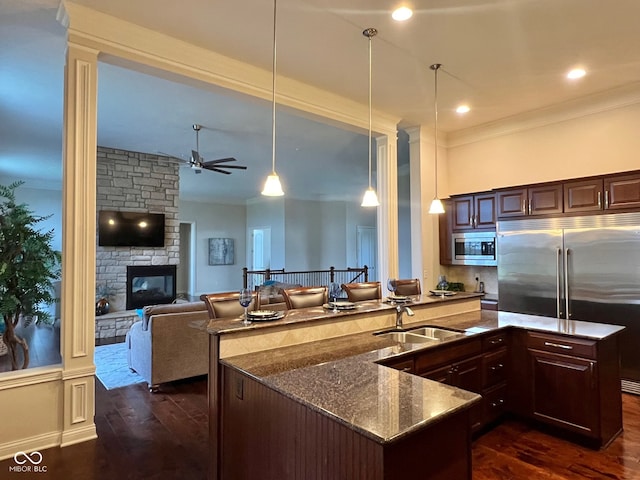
(163, 346)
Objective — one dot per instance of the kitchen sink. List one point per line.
(435, 333)
(405, 337)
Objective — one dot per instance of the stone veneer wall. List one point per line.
(135, 182)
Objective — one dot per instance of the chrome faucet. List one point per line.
(400, 309)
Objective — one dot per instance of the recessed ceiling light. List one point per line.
(576, 73)
(463, 109)
(401, 14)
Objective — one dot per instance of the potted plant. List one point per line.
(28, 267)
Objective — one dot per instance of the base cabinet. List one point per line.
(565, 391)
(574, 384)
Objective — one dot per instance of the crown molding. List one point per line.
(584, 106)
(132, 46)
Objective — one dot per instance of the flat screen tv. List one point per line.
(130, 229)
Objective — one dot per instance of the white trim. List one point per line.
(31, 376)
(78, 435)
(29, 444)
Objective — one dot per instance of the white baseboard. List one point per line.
(78, 435)
(37, 442)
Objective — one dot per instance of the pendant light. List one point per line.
(272, 186)
(436, 205)
(370, 198)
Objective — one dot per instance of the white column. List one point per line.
(425, 247)
(79, 244)
(387, 219)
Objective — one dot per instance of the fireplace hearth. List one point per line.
(150, 285)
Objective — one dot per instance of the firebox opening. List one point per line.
(150, 285)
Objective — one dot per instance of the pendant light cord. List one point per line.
(273, 114)
(370, 37)
(370, 33)
(435, 67)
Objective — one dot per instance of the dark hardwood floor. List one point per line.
(164, 436)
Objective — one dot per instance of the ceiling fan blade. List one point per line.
(239, 167)
(195, 157)
(220, 160)
(214, 169)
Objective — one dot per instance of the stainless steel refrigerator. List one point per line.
(580, 268)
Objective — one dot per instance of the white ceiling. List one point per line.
(503, 57)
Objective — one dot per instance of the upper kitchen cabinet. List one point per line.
(541, 199)
(445, 225)
(614, 192)
(476, 211)
(583, 195)
(622, 192)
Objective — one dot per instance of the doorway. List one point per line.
(260, 248)
(186, 271)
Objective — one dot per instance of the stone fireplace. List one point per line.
(140, 182)
(150, 285)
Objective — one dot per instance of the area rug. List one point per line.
(112, 368)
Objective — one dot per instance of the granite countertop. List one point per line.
(340, 377)
(223, 326)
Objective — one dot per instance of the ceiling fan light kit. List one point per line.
(272, 186)
(370, 198)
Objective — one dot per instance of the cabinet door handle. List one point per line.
(524, 206)
(471, 220)
(497, 404)
(529, 206)
(496, 341)
(558, 345)
(606, 199)
(406, 369)
(599, 201)
(497, 367)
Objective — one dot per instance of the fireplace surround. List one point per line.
(150, 285)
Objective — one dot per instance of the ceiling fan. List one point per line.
(198, 164)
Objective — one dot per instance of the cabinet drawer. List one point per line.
(577, 347)
(494, 367)
(451, 353)
(497, 340)
(402, 364)
(495, 400)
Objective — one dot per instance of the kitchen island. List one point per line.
(331, 406)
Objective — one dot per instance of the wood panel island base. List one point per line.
(270, 436)
(316, 395)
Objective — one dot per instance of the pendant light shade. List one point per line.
(436, 205)
(370, 198)
(272, 186)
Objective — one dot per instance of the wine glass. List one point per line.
(334, 291)
(245, 300)
(391, 286)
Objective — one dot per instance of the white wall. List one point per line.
(598, 143)
(216, 221)
(315, 235)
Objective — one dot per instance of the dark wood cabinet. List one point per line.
(445, 228)
(477, 211)
(544, 199)
(512, 202)
(622, 192)
(583, 195)
(565, 391)
(574, 384)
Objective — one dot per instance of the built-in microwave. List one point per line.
(474, 248)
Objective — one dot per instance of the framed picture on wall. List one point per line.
(221, 251)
